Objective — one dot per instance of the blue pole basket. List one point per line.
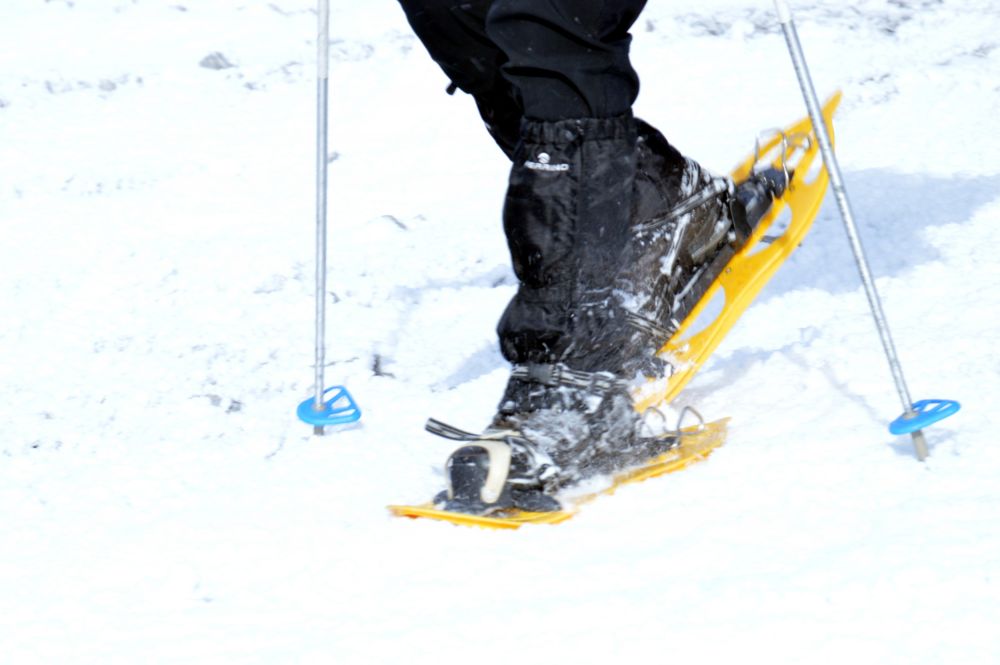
(925, 412)
(339, 409)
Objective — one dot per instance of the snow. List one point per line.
(161, 503)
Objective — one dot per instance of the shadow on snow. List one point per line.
(892, 209)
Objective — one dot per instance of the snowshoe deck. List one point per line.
(755, 263)
(695, 444)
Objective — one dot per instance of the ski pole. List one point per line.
(340, 408)
(915, 415)
(322, 124)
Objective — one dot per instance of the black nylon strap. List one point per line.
(696, 200)
(561, 375)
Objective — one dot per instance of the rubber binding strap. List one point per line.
(339, 409)
(925, 412)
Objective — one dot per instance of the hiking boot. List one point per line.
(586, 423)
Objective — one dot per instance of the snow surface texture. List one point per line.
(161, 503)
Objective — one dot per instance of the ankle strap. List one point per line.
(697, 199)
(558, 374)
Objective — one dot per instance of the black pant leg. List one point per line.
(568, 204)
(454, 33)
(567, 58)
(566, 213)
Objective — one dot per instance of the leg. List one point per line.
(568, 62)
(567, 217)
(454, 33)
(567, 211)
(568, 58)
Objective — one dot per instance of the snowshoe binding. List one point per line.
(687, 225)
(555, 427)
(494, 471)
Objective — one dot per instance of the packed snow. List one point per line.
(161, 503)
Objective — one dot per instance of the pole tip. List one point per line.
(784, 11)
(920, 445)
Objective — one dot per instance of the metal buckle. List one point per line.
(789, 143)
(545, 374)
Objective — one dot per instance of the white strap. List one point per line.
(496, 476)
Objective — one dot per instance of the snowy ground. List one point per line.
(161, 503)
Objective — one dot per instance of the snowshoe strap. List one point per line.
(501, 446)
(453, 433)
(468, 487)
(499, 468)
(660, 333)
(696, 200)
(560, 375)
(499, 452)
(754, 196)
(497, 448)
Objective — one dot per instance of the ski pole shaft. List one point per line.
(340, 408)
(844, 204)
(322, 105)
